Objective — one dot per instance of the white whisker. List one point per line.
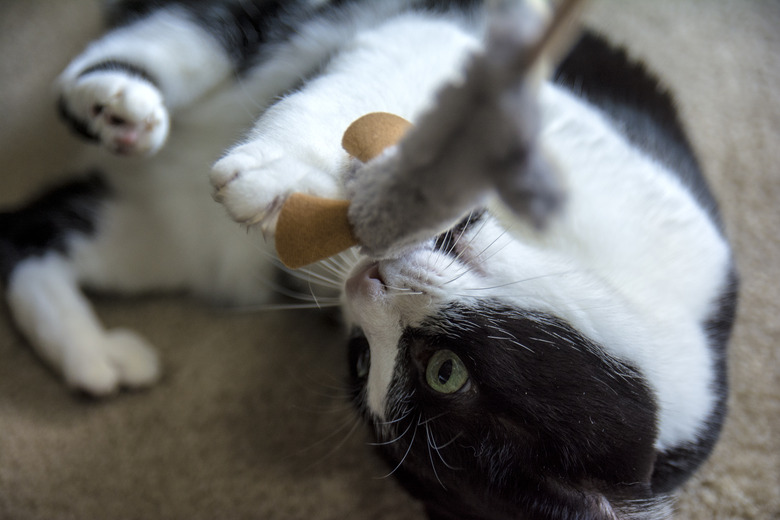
(494, 252)
(409, 292)
(355, 424)
(350, 421)
(409, 449)
(512, 341)
(400, 289)
(339, 269)
(516, 282)
(462, 232)
(430, 456)
(393, 441)
(471, 240)
(308, 275)
(291, 293)
(435, 417)
(270, 307)
(323, 411)
(477, 260)
(403, 416)
(447, 444)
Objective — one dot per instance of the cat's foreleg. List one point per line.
(121, 89)
(57, 320)
(296, 144)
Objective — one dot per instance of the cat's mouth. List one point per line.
(455, 241)
(417, 272)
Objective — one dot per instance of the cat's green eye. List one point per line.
(446, 373)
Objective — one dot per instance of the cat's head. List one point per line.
(486, 398)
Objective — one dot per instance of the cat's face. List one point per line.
(482, 398)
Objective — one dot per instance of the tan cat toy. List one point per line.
(312, 228)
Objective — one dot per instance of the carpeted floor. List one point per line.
(250, 421)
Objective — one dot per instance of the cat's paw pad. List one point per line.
(125, 113)
(253, 184)
(134, 359)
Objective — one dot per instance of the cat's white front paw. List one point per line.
(254, 180)
(92, 374)
(125, 113)
(120, 359)
(133, 358)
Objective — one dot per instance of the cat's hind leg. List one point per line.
(41, 285)
(55, 317)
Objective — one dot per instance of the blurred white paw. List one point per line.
(125, 113)
(255, 179)
(90, 372)
(119, 359)
(134, 359)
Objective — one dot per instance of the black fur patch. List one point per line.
(642, 110)
(546, 415)
(673, 467)
(645, 113)
(45, 224)
(241, 27)
(244, 27)
(121, 66)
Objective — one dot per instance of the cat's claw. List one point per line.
(125, 113)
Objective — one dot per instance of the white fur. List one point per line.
(634, 263)
(47, 306)
(636, 272)
(183, 60)
(160, 230)
(176, 52)
(296, 145)
(102, 97)
(193, 246)
(631, 224)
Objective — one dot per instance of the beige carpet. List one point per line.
(249, 421)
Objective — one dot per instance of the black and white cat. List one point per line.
(576, 372)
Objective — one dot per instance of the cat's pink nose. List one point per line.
(367, 282)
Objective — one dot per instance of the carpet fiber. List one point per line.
(250, 421)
